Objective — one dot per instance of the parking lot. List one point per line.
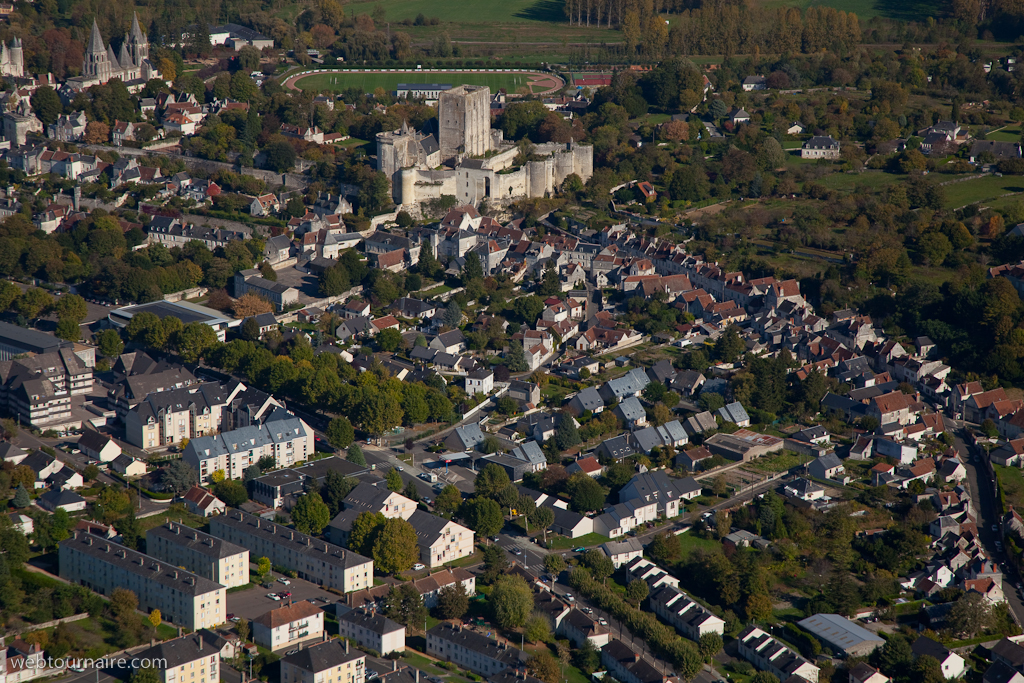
(254, 602)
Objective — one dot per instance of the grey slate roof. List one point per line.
(55, 498)
(588, 399)
(299, 544)
(373, 622)
(631, 410)
(734, 412)
(246, 438)
(153, 569)
(211, 546)
(530, 452)
(322, 656)
(180, 651)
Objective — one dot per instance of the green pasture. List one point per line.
(981, 189)
(471, 11)
(906, 10)
(368, 82)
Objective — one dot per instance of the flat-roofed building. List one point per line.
(184, 311)
(208, 556)
(182, 597)
(322, 563)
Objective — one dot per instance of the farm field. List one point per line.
(981, 189)
(369, 82)
(906, 10)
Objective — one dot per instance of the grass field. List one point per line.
(369, 82)
(981, 189)
(907, 10)
(1008, 134)
(688, 542)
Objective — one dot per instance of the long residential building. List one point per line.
(768, 654)
(208, 556)
(323, 563)
(182, 597)
(372, 631)
(288, 440)
(628, 666)
(472, 650)
(329, 662)
(688, 616)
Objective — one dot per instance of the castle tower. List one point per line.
(17, 61)
(137, 43)
(464, 121)
(97, 60)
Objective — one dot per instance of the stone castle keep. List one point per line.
(411, 159)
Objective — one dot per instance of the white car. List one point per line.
(418, 566)
(568, 596)
(274, 597)
(602, 621)
(283, 580)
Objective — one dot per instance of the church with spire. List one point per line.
(131, 65)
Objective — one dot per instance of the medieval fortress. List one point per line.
(471, 161)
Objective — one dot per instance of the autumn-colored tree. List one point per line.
(323, 36)
(97, 133)
(251, 304)
(675, 131)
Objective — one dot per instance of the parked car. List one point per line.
(283, 580)
(274, 597)
(285, 594)
(418, 566)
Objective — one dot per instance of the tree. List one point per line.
(452, 314)
(242, 628)
(194, 340)
(542, 518)
(179, 476)
(636, 591)
(764, 677)
(771, 155)
(970, 614)
(396, 548)
(250, 329)
(492, 480)
(68, 330)
(394, 480)
(759, 607)
(251, 304)
(511, 601)
(130, 530)
(515, 359)
(123, 602)
(410, 491)
(566, 434)
(389, 340)
(110, 343)
(154, 618)
(585, 494)
(448, 501)
(599, 564)
(365, 528)
(46, 105)
(310, 514)
(97, 133)
(710, 645)
(355, 455)
(404, 604)
(341, 434)
(587, 658)
(280, 156)
(71, 307)
(665, 548)
(483, 516)
(537, 629)
(452, 601)
(554, 564)
(33, 302)
(729, 346)
(263, 566)
(336, 487)
(144, 674)
(544, 667)
(232, 492)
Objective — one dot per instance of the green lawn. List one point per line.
(368, 82)
(563, 543)
(906, 10)
(869, 179)
(981, 189)
(688, 542)
(779, 462)
(434, 291)
(1011, 481)
(465, 11)
(1004, 135)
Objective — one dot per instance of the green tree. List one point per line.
(250, 329)
(310, 514)
(452, 601)
(511, 601)
(764, 677)
(179, 476)
(448, 501)
(554, 564)
(130, 530)
(472, 270)
(759, 607)
(46, 105)
(483, 516)
(636, 591)
(566, 434)
(110, 343)
(389, 340)
(452, 314)
(396, 548)
(280, 156)
(404, 604)
(365, 528)
(336, 487)
(71, 307)
(585, 494)
(394, 480)
(68, 330)
(970, 615)
(515, 359)
(542, 518)
(537, 629)
(729, 346)
(355, 455)
(33, 303)
(263, 566)
(599, 564)
(492, 480)
(194, 340)
(710, 645)
(341, 434)
(144, 674)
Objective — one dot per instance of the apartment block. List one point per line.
(182, 597)
(289, 626)
(323, 563)
(328, 662)
(472, 650)
(688, 616)
(768, 654)
(189, 659)
(37, 390)
(284, 437)
(200, 553)
(440, 540)
(372, 631)
(628, 666)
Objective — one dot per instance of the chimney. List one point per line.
(346, 647)
(291, 535)
(417, 675)
(394, 665)
(175, 573)
(78, 197)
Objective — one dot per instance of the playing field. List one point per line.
(370, 81)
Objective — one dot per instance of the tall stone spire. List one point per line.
(96, 40)
(137, 34)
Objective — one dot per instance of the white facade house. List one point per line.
(188, 659)
(328, 662)
(372, 631)
(200, 553)
(768, 654)
(289, 626)
(287, 441)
